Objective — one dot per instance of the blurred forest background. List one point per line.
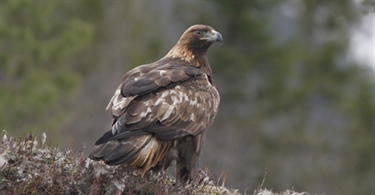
(296, 102)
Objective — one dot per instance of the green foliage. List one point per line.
(38, 39)
(294, 101)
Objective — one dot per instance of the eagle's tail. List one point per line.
(142, 152)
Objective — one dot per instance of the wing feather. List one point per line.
(178, 111)
(168, 101)
(146, 82)
(116, 152)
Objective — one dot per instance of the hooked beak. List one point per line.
(214, 36)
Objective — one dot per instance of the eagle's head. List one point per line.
(193, 45)
(200, 37)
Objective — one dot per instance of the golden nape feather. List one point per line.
(161, 111)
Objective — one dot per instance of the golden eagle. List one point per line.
(161, 110)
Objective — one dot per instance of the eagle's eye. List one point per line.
(198, 32)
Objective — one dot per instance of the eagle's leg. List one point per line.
(188, 159)
(163, 164)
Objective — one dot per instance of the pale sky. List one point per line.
(362, 43)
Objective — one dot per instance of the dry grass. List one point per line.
(29, 166)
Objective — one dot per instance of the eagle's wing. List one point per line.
(157, 78)
(170, 101)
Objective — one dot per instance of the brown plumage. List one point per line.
(161, 110)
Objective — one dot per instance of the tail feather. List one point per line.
(117, 152)
(151, 155)
(143, 152)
